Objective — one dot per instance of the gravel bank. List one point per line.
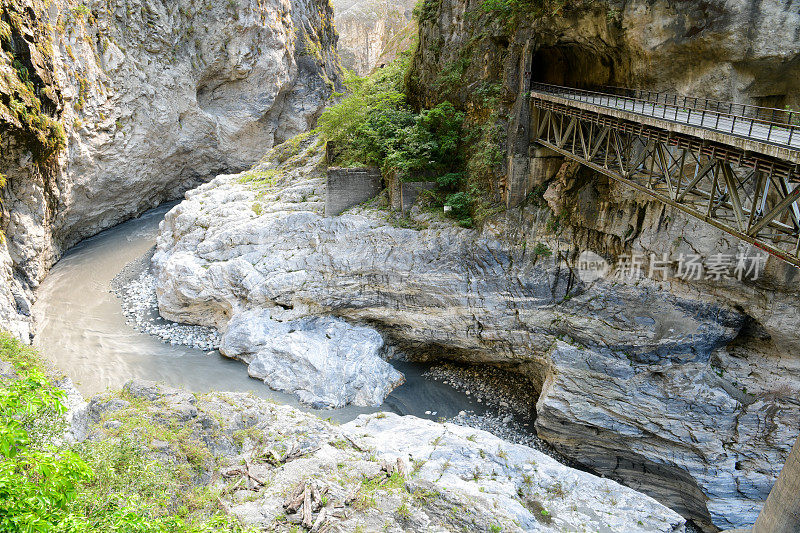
(135, 286)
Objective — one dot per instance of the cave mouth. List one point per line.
(574, 65)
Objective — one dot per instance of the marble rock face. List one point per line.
(635, 380)
(324, 361)
(155, 98)
(455, 477)
(524, 485)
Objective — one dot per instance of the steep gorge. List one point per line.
(366, 28)
(685, 390)
(151, 99)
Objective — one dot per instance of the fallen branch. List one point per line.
(307, 523)
(297, 453)
(319, 521)
(295, 499)
(253, 476)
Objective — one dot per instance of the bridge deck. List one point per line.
(781, 141)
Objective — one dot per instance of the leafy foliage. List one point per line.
(512, 11)
(450, 181)
(373, 125)
(542, 250)
(461, 207)
(97, 486)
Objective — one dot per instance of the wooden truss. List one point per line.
(751, 196)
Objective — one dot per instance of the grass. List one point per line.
(259, 179)
(112, 484)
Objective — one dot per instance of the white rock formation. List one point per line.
(325, 361)
(635, 381)
(456, 478)
(529, 488)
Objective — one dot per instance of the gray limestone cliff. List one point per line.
(153, 99)
(366, 28)
(611, 414)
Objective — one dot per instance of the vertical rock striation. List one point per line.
(154, 98)
(365, 29)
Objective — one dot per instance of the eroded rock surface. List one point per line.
(155, 98)
(443, 477)
(636, 381)
(326, 362)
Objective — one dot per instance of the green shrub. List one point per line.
(542, 250)
(450, 181)
(373, 125)
(461, 207)
(97, 486)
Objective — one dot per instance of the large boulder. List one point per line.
(326, 362)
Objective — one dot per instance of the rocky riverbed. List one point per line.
(135, 286)
(632, 380)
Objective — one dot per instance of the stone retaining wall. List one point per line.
(346, 187)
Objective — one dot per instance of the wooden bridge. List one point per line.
(734, 166)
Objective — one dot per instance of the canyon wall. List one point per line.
(152, 99)
(366, 27)
(730, 413)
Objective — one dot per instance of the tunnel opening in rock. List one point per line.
(574, 65)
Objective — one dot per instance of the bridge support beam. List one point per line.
(715, 183)
(781, 512)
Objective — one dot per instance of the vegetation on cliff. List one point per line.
(29, 98)
(374, 125)
(28, 103)
(94, 486)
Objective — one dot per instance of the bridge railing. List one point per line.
(769, 114)
(684, 110)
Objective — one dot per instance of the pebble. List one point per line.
(135, 286)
